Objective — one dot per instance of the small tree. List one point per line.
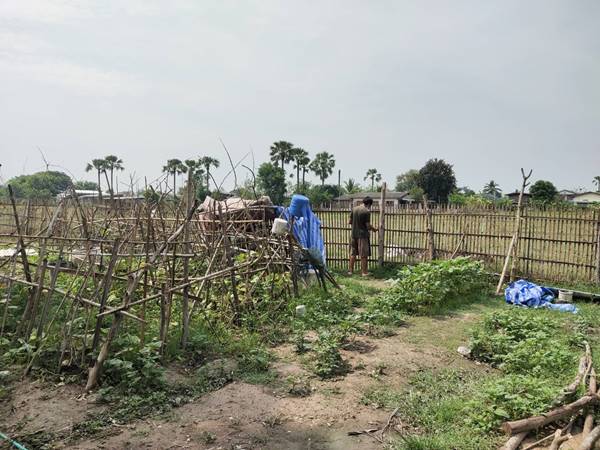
(597, 182)
(543, 191)
(323, 193)
(374, 176)
(407, 180)
(270, 180)
(492, 189)
(437, 179)
(351, 186)
(40, 185)
(322, 166)
(282, 152)
(174, 167)
(99, 165)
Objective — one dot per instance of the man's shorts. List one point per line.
(360, 247)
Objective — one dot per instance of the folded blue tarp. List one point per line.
(525, 293)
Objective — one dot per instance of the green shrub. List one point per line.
(429, 286)
(519, 340)
(132, 368)
(328, 360)
(510, 397)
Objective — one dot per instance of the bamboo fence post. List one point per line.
(598, 248)
(107, 282)
(20, 242)
(382, 208)
(185, 301)
(429, 230)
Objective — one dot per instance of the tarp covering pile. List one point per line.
(530, 295)
(307, 226)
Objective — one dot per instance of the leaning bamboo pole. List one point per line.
(515, 236)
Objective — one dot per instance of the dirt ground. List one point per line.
(243, 416)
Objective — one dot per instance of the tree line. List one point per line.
(436, 179)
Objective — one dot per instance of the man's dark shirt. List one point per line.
(360, 219)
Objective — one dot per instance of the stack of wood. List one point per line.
(570, 425)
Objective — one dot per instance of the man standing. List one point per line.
(360, 219)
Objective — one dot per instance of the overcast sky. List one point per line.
(489, 86)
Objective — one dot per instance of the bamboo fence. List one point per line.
(98, 264)
(554, 244)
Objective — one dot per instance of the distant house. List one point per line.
(567, 195)
(585, 198)
(92, 196)
(392, 199)
(514, 197)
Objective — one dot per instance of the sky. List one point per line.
(489, 86)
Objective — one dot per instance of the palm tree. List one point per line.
(351, 186)
(208, 162)
(374, 176)
(492, 189)
(99, 166)
(597, 182)
(301, 162)
(112, 163)
(322, 165)
(282, 151)
(174, 167)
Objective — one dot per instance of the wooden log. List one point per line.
(590, 440)
(533, 423)
(514, 441)
(588, 423)
(559, 438)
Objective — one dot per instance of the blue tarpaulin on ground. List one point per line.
(530, 295)
(307, 226)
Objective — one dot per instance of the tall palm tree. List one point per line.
(597, 182)
(175, 167)
(282, 152)
(112, 163)
(492, 189)
(301, 162)
(99, 166)
(195, 167)
(322, 165)
(374, 176)
(208, 162)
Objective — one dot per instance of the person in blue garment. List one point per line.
(360, 246)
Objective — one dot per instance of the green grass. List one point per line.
(434, 405)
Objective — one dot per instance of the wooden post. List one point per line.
(598, 250)
(515, 235)
(430, 239)
(381, 249)
(185, 301)
(21, 243)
